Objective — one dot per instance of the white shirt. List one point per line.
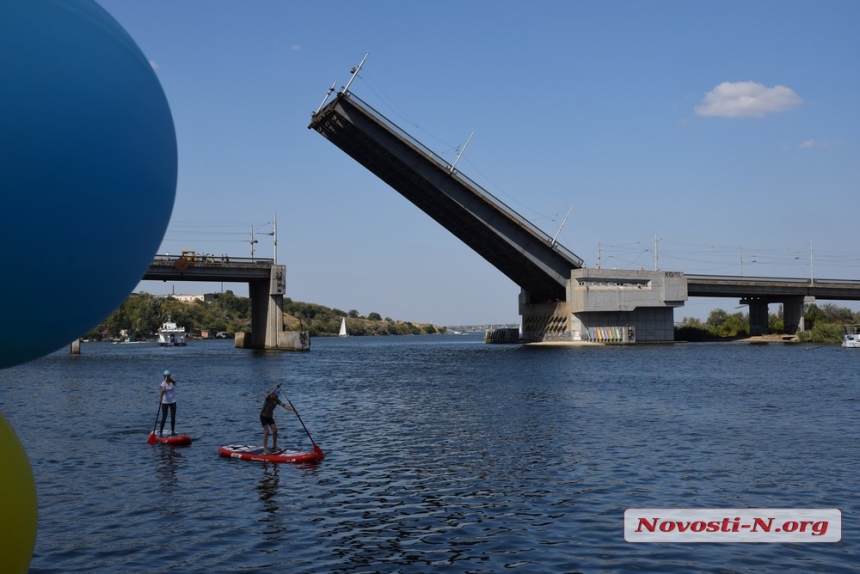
(169, 395)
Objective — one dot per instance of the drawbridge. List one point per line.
(533, 260)
(560, 299)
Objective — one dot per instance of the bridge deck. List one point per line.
(209, 269)
(521, 251)
(772, 287)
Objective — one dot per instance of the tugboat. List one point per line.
(169, 335)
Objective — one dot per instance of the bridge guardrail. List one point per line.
(211, 259)
(792, 280)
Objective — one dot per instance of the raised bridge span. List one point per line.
(559, 299)
(512, 244)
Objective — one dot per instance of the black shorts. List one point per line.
(266, 421)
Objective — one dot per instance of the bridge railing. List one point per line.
(788, 280)
(170, 259)
(432, 156)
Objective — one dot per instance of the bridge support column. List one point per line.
(792, 315)
(267, 316)
(758, 316)
(544, 321)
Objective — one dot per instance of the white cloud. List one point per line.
(818, 144)
(296, 47)
(747, 99)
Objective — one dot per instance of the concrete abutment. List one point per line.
(608, 306)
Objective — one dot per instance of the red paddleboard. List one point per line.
(175, 440)
(248, 452)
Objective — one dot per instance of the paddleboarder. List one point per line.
(268, 421)
(167, 396)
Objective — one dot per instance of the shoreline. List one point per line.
(756, 340)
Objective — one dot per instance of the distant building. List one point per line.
(206, 297)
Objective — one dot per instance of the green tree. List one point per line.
(826, 333)
(811, 315)
(717, 318)
(691, 322)
(118, 320)
(775, 323)
(837, 315)
(721, 324)
(145, 315)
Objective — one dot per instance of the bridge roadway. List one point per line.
(775, 288)
(209, 268)
(246, 270)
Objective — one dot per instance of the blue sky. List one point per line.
(727, 131)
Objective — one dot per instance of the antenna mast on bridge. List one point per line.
(253, 241)
(656, 257)
(354, 73)
(553, 242)
(453, 165)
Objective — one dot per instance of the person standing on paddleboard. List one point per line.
(167, 396)
(267, 418)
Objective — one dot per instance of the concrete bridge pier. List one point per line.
(792, 313)
(549, 321)
(607, 306)
(758, 316)
(267, 317)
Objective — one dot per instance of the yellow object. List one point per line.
(18, 507)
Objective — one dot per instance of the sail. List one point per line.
(343, 332)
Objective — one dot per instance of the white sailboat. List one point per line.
(343, 332)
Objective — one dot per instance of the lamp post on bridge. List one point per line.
(273, 233)
(253, 241)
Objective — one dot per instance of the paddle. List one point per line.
(151, 439)
(317, 449)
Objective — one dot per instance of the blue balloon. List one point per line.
(88, 169)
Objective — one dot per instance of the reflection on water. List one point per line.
(442, 454)
(169, 458)
(268, 487)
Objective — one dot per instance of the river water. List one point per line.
(443, 454)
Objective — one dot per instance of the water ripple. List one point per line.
(443, 454)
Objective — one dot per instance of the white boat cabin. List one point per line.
(851, 336)
(170, 335)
